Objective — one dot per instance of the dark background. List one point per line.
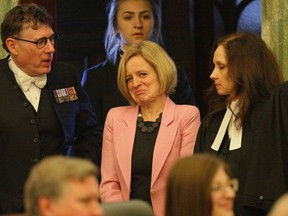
(190, 28)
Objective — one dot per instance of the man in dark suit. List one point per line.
(44, 110)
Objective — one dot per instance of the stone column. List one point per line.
(5, 5)
(275, 30)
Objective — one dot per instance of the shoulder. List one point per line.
(62, 65)
(279, 96)
(4, 60)
(187, 109)
(101, 67)
(180, 109)
(181, 73)
(214, 121)
(187, 112)
(61, 68)
(119, 112)
(100, 73)
(4, 63)
(63, 72)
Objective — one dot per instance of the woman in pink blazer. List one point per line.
(142, 141)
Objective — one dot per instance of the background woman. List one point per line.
(142, 141)
(129, 22)
(241, 108)
(200, 185)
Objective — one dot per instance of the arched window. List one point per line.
(250, 18)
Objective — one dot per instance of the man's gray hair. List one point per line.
(49, 179)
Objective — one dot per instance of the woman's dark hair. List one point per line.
(252, 67)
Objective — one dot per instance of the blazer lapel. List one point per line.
(125, 130)
(165, 139)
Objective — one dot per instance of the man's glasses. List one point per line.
(42, 41)
(232, 184)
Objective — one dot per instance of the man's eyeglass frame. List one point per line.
(42, 41)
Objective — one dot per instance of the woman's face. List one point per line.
(142, 81)
(222, 194)
(222, 81)
(135, 22)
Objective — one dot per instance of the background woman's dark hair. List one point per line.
(14, 20)
(254, 69)
(188, 191)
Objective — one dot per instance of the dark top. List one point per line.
(27, 136)
(142, 157)
(100, 82)
(261, 164)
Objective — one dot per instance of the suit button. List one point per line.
(152, 192)
(261, 198)
(32, 121)
(25, 104)
(36, 140)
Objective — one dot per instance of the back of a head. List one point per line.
(280, 208)
(188, 191)
(129, 208)
(49, 179)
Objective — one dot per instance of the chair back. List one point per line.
(129, 208)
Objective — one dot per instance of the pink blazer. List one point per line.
(176, 138)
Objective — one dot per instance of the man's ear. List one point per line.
(11, 45)
(45, 206)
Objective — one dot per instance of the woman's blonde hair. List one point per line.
(157, 57)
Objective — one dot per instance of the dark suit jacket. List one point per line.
(261, 164)
(18, 152)
(100, 82)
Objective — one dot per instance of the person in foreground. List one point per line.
(200, 185)
(44, 108)
(59, 186)
(129, 22)
(142, 141)
(247, 120)
(280, 208)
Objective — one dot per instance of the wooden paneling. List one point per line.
(178, 37)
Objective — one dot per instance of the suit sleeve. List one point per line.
(189, 133)
(200, 140)
(92, 84)
(88, 137)
(110, 190)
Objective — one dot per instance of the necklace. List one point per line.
(145, 128)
